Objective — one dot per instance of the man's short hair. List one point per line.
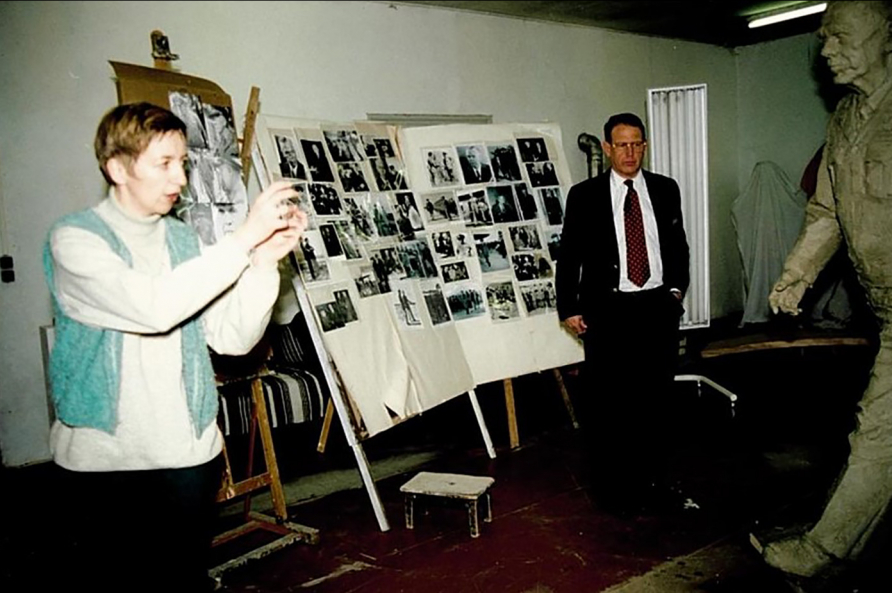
(623, 119)
(126, 130)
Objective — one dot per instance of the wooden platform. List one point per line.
(770, 340)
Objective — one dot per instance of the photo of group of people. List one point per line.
(215, 199)
(486, 235)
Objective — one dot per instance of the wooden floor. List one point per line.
(764, 468)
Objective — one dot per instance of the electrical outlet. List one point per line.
(7, 274)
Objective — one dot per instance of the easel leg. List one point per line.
(483, 430)
(369, 482)
(326, 427)
(269, 453)
(566, 395)
(513, 438)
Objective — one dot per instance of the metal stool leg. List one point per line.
(410, 511)
(472, 518)
(488, 517)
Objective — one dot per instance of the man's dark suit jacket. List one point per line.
(587, 275)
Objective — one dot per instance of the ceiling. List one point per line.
(716, 22)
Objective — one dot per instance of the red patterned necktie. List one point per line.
(637, 264)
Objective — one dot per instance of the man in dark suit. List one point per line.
(621, 276)
(474, 167)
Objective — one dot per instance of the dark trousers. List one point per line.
(138, 530)
(631, 353)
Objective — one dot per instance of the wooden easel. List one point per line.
(287, 531)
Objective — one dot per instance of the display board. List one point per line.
(429, 258)
(215, 201)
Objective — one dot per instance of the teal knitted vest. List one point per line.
(85, 364)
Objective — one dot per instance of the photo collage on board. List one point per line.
(494, 218)
(480, 244)
(215, 200)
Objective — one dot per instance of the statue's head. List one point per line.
(856, 43)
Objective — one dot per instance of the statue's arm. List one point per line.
(818, 240)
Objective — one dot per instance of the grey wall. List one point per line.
(336, 61)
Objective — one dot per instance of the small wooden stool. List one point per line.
(466, 488)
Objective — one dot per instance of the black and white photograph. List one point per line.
(228, 185)
(464, 245)
(437, 309)
(465, 301)
(388, 174)
(455, 272)
(344, 145)
(325, 199)
(311, 257)
(504, 162)
(441, 167)
(228, 216)
(345, 304)
(214, 179)
(330, 240)
(367, 284)
(405, 304)
(502, 301)
(532, 150)
(385, 148)
(357, 211)
(531, 266)
(474, 208)
(475, 165)
(348, 238)
(368, 143)
(313, 270)
(408, 218)
(290, 164)
(317, 161)
(201, 218)
(201, 178)
(542, 174)
(553, 240)
(552, 203)
(302, 201)
(525, 237)
(189, 108)
(385, 264)
(331, 317)
(416, 259)
(491, 252)
(382, 215)
(220, 128)
(526, 202)
(443, 246)
(501, 203)
(352, 178)
(439, 207)
(538, 298)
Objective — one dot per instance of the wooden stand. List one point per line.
(513, 436)
(289, 532)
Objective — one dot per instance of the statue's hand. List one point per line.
(786, 294)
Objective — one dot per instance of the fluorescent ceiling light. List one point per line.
(786, 16)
